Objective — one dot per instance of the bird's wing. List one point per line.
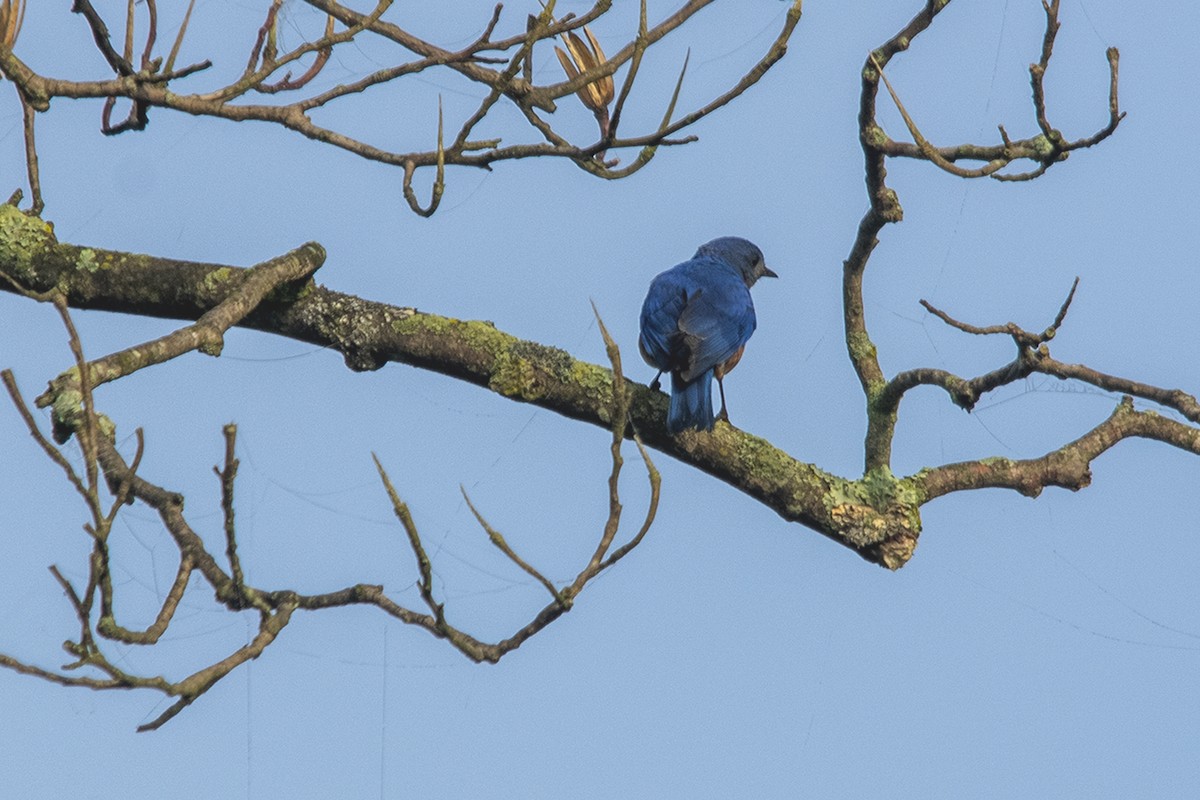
(716, 322)
(665, 302)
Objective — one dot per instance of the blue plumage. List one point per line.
(696, 321)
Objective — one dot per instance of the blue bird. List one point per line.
(695, 323)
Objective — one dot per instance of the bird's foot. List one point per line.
(656, 385)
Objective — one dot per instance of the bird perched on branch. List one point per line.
(695, 323)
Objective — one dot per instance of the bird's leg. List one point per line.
(656, 384)
(721, 387)
(720, 371)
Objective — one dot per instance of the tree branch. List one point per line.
(1069, 466)
(371, 334)
(150, 86)
(275, 607)
(1049, 147)
(877, 516)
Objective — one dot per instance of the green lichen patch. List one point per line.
(515, 377)
(889, 206)
(526, 370)
(1042, 146)
(875, 136)
(67, 404)
(596, 383)
(754, 456)
(593, 378)
(22, 239)
(472, 334)
(551, 360)
(874, 509)
(996, 461)
(884, 489)
(860, 346)
(515, 368)
(214, 279)
(87, 260)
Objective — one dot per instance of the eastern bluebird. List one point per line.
(695, 323)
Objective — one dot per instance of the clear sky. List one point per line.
(1032, 648)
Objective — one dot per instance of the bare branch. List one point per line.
(884, 208)
(651, 508)
(107, 625)
(640, 43)
(1176, 399)
(439, 181)
(31, 158)
(228, 476)
(591, 76)
(498, 540)
(877, 516)
(183, 26)
(1021, 337)
(207, 334)
(1047, 148)
(12, 15)
(102, 37)
(425, 583)
(121, 496)
(52, 452)
(928, 150)
(882, 395)
(287, 84)
(1068, 466)
(200, 682)
(619, 413)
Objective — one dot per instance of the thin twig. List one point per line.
(928, 150)
(439, 180)
(228, 477)
(1022, 337)
(287, 84)
(620, 419)
(183, 26)
(31, 158)
(52, 452)
(148, 87)
(207, 334)
(498, 540)
(400, 508)
(655, 479)
(151, 34)
(127, 54)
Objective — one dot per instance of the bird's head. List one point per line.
(740, 254)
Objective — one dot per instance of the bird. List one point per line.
(695, 322)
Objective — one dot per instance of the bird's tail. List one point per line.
(691, 403)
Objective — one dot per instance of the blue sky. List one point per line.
(1042, 648)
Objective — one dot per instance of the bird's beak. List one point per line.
(768, 272)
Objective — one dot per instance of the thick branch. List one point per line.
(884, 208)
(370, 334)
